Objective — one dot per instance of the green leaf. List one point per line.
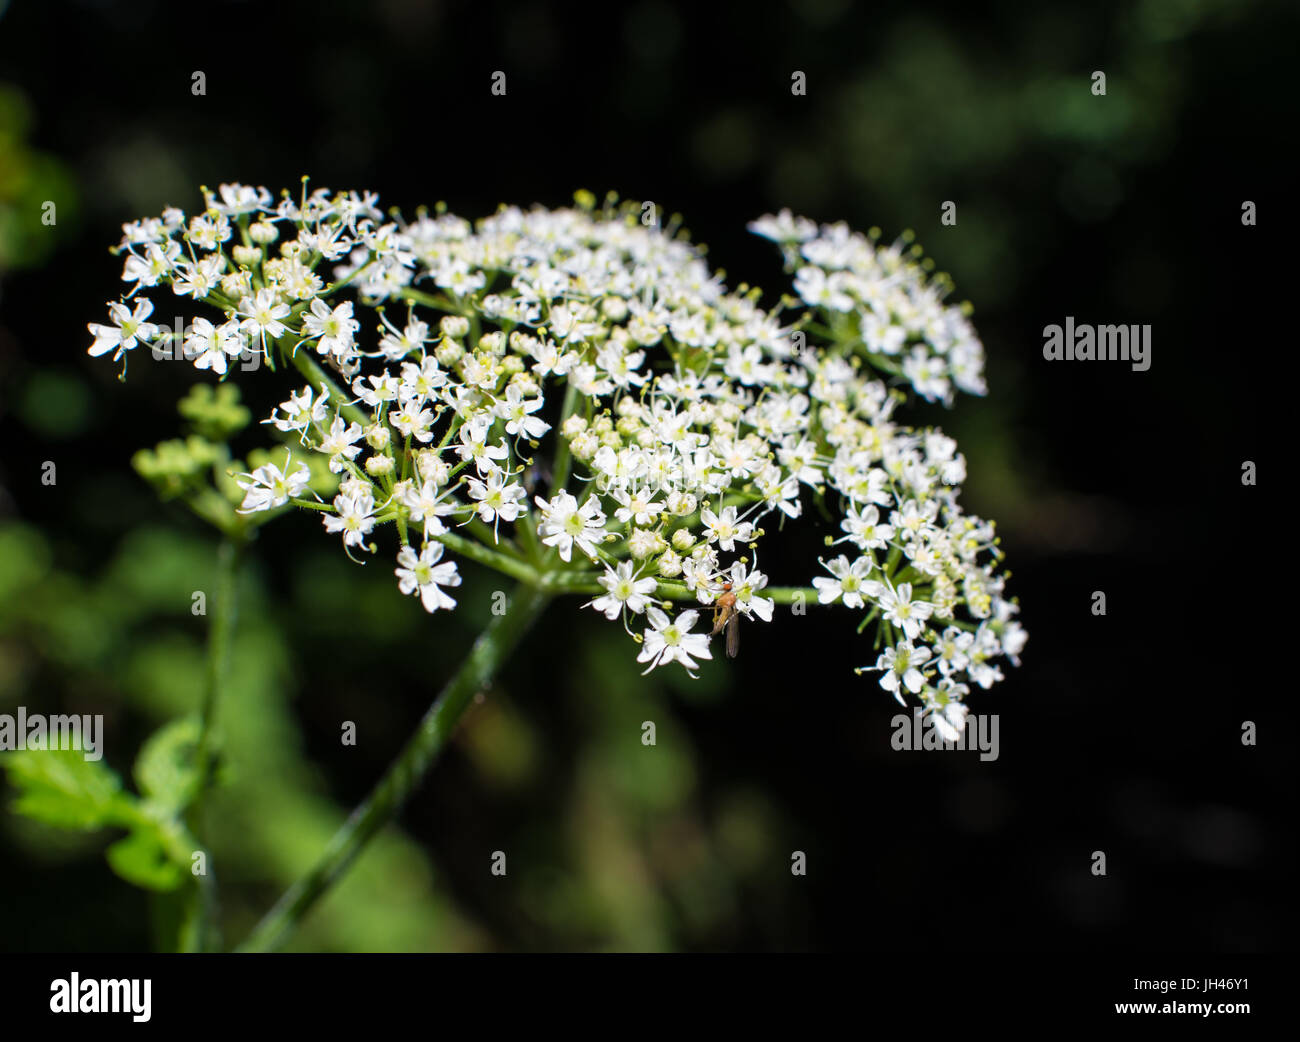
(165, 770)
(215, 412)
(61, 787)
(176, 465)
(141, 859)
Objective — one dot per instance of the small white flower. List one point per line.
(784, 227)
(497, 499)
(237, 199)
(334, 327)
(427, 504)
(864, 528)
(515, 410)
(262, 315)
(564, 524)
(338, 444)
(128, 330)
(949, 720)
(952, 650)
(622, 589)
(848, 582)
(639, 506)
(424, 575)
(154, 266)
(355, 517)
(671, 640)
(725, 529)
(745, 585)
(897, 606)
(211, 346)
(268, 487)
(303, 409)
(200, 279)
(902, 669)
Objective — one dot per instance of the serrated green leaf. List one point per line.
(141, 859)
(165, 770)
(61, 787)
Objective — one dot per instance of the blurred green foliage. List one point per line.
(123, 643)
(28, 180)
(633, 865)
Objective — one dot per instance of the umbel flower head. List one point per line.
(574, 398)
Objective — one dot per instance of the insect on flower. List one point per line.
(731, 436)
(726, 615)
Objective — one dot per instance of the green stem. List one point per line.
(490, 558)
(429, 300)
(492, 648)
(570, 582)
(197, 928)
(526, 526)
(219, 639)
(309, 368)
(560, 471)
(482, 531)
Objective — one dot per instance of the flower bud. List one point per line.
(354, 486)
(236, 284)
(584, 446)
(378, 465)
(263, 232)
(681, 503)
(454, 326)
(448, 353)
(642, 543)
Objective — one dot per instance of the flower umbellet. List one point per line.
(574, 398)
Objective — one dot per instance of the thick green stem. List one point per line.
(197, 928)
(490, 558)
(219, 639)
(491, 649)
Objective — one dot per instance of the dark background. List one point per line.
(1119, 734)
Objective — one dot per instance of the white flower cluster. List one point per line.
(573, 391)
(882, 299)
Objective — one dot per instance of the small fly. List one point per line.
(725, 614)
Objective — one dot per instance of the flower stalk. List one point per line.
(198, 927)
(493, 647)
